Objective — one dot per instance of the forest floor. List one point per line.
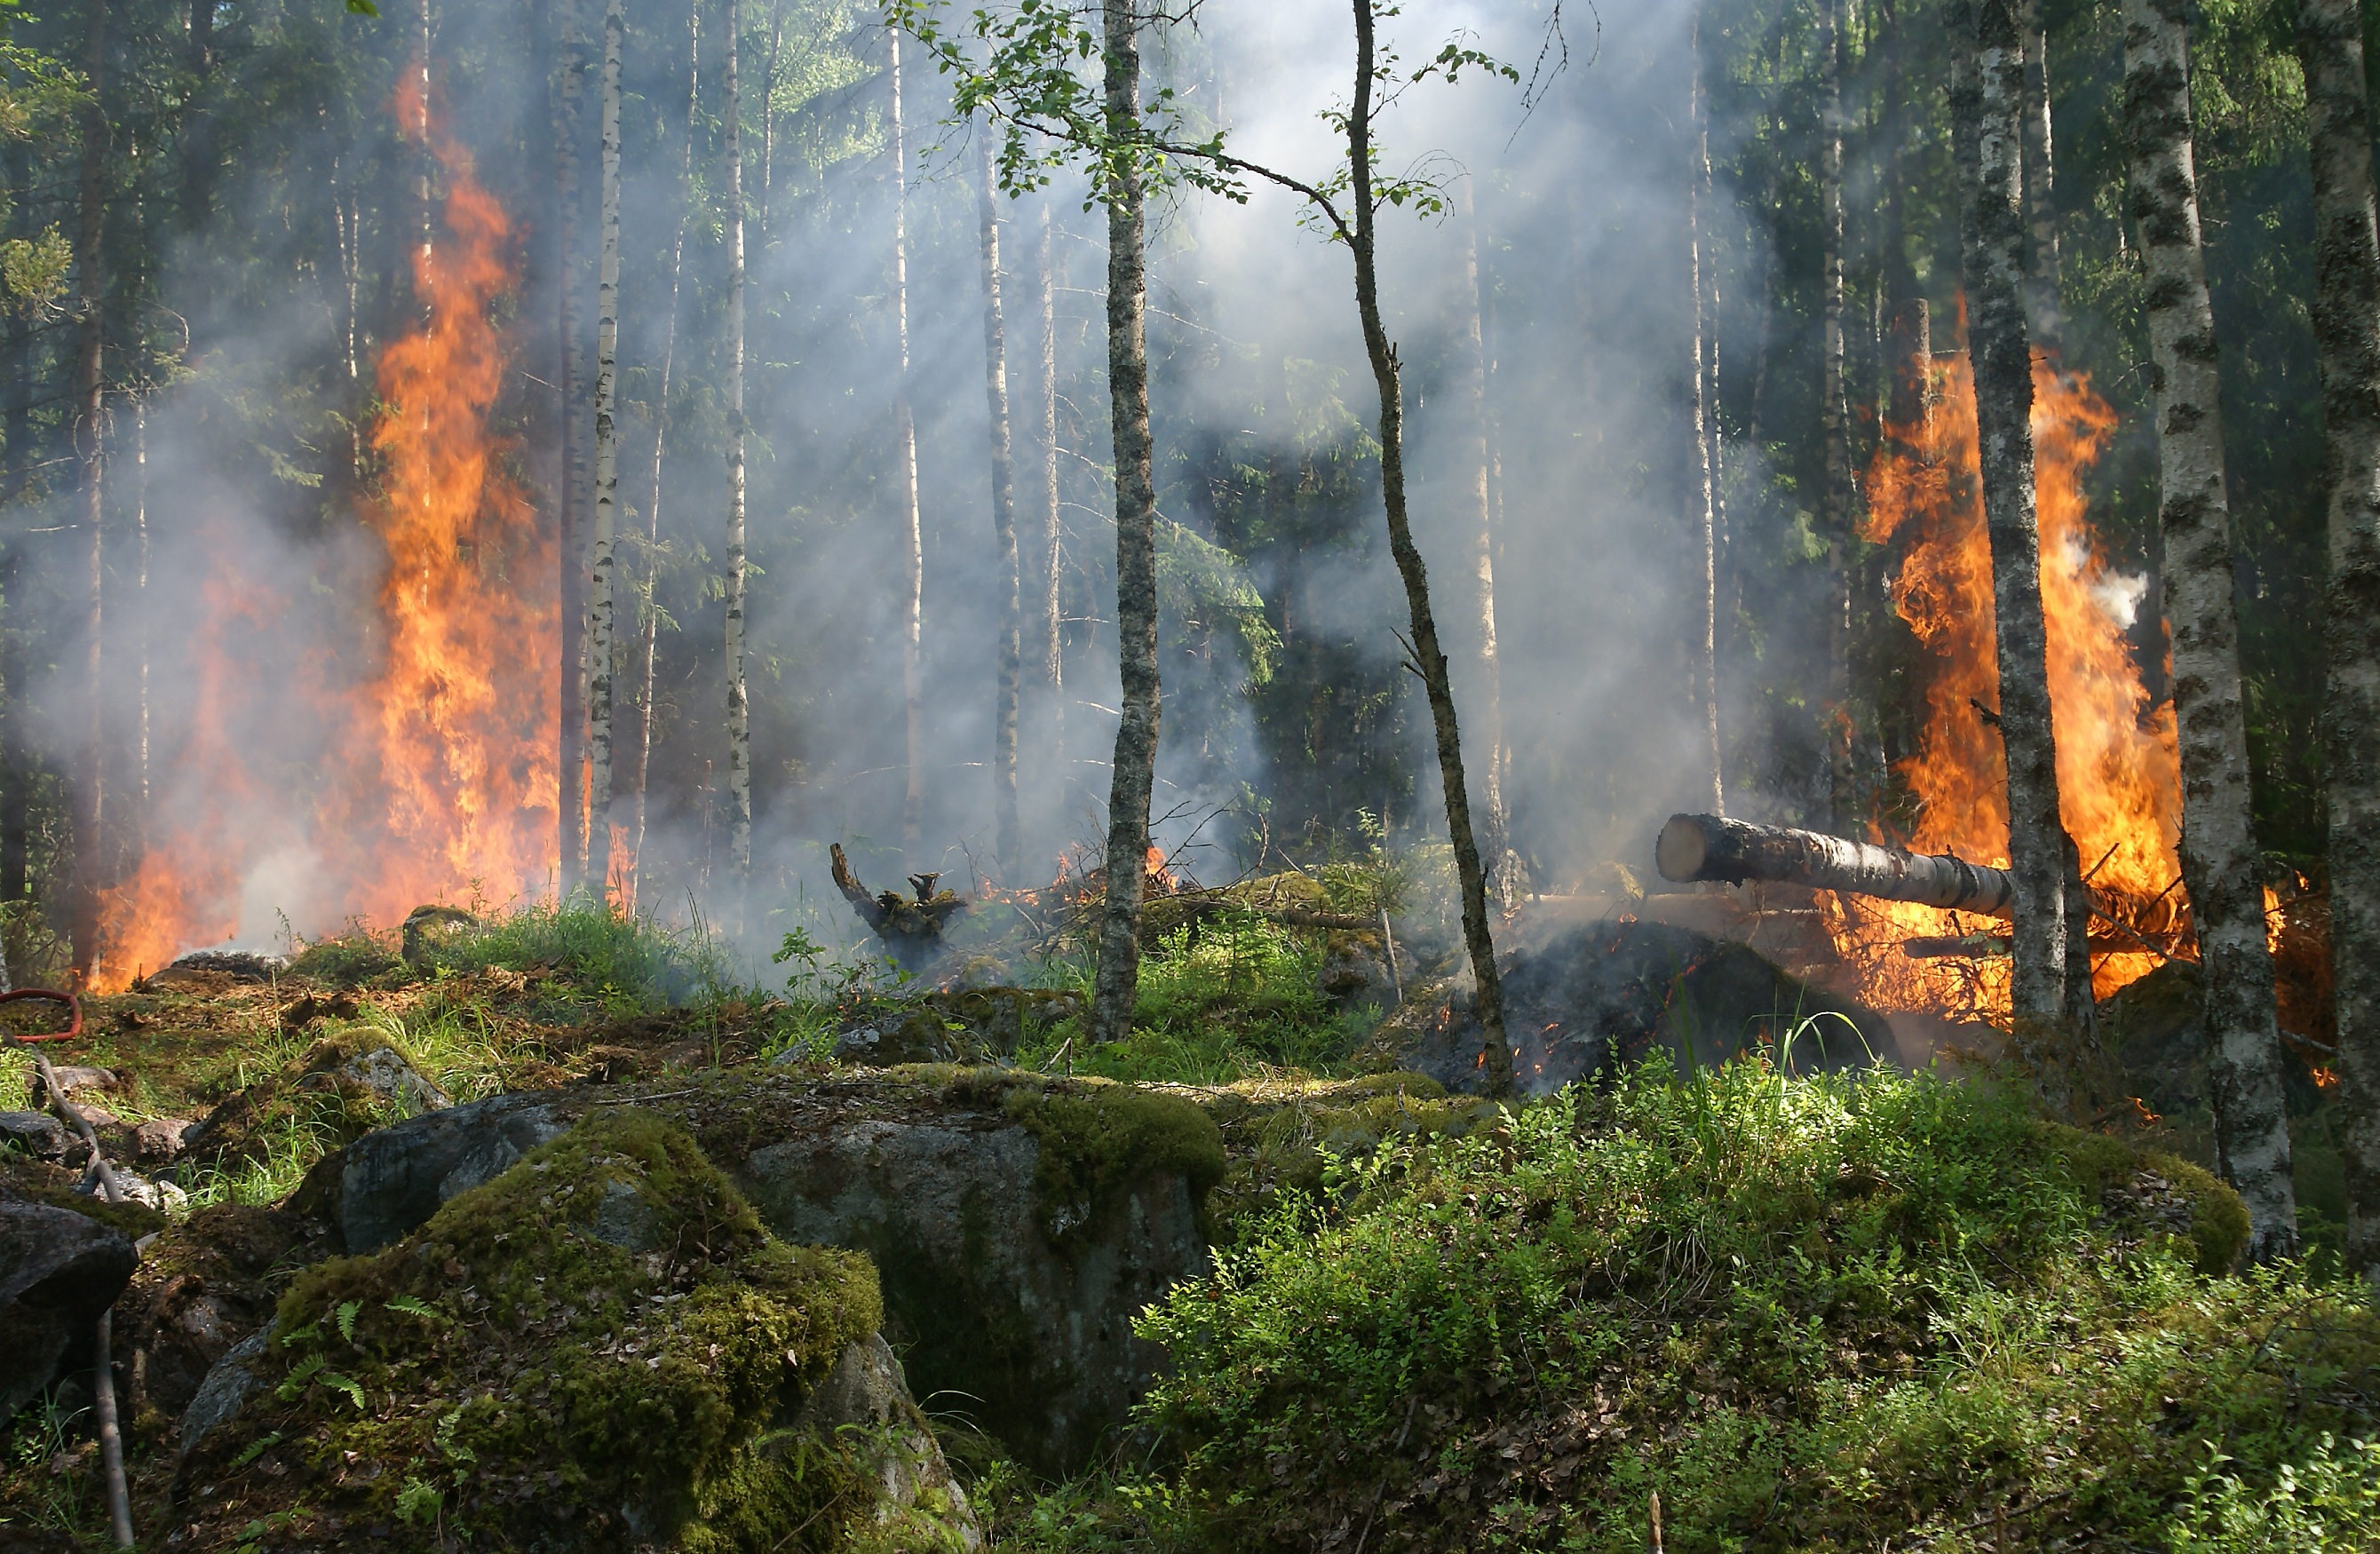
(1855, 1311)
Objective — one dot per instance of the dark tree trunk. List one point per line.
(88, 408)
(1428, 657)
(1135, 771)
(1008, 669)
(2347, 332)
(1990, 98)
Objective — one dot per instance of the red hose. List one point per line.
(74, 1012)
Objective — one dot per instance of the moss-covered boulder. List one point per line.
(204, 1284)
(1019, 1223)
(601, 1349)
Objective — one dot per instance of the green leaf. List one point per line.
(338, 1383)
(363, 7)
(348, 1310)
(412, 1307)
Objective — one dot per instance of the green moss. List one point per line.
(1099, 1139)
(2114, 1173)
(598, 1339)
(21, 1176)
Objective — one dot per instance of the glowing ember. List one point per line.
(2118, 775)
(444, 785)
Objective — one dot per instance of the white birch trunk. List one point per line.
(1702, 515)
(1479, 516)
(607, 477)
(1990, 95)
(1008, 669)
(2218, 838)
(2041, 208)
(1051, 610)
(739, 708)
(913, 533)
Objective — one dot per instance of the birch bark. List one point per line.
(740, 706)
(607, 476)
(913, 534)
(649, 625)
(2040, 206)
(1479, 519)
(1702, 515)
(1007, 669)
(2218, 838)
(2346, 333)
(1834, 420)
(1049, 610)
(1991, 92)
(577, 485)
(1134, 772)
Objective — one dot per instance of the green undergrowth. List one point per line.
(1229, 998)
(603, 1339)
(587, 955)
(1819, 1313)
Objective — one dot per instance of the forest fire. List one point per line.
(442, 782)
(2117, 767)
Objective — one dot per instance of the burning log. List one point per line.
(1711, 847)
(911, 930)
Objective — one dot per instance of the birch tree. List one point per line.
(913, 533)
(607, 475)
(1701, 516)
(1007, 652)
(2218, 841)
(649, 603)
(1049, 610)
(1834, 417)
(2040, 206)
(739, 705)
(2347, 334)
(575, 480)
(1480, 532)
(1987, 97)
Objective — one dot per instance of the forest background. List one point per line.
(260, 203)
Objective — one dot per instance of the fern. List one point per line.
(412, 1307)
(348, 1310)
(294, 1382)
(338, 1383)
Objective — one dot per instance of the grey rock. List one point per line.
(866, 1389)
(167, 1197)
(385, 1074)
(228, 1384)
(36, 1133)
(58, 1271)
(1018, 1318)
(71, 1077)
(160, 1139)
(395, 1178)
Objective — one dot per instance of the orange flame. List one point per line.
(444, 788)
(2117, 773)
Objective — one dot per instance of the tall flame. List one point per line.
(443, 785)
(2117, 773)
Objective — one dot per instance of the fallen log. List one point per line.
(1694, 847)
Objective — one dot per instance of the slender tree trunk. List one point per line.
(912, 532)
(1429, 658)
(140, 620)
(1478, 519)
(1702, 514)
(2040, 206)
(576, 485)
(198, 121)
(2218, 837)
(1051, 610)
(1134, 774)
(607, 475)
(1008, 653)
(739, 707)
(1834, 420)
(2347, 332)
(88, 408)
(649, 626)
(16, 805)
(1989, 97)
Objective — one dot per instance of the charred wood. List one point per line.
(910, 928)
(1695, 847)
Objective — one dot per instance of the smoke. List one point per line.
(263, 610)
